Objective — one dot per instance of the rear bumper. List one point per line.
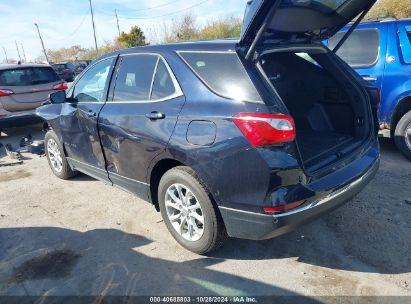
(257, 226)
(19, 119)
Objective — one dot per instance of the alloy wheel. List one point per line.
(54, 154)
(408, 136)
(184, 212)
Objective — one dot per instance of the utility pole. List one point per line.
(42, 44)
(18, 52)
(24, 53)
(94, 27)
(5, 54)
(118, 25)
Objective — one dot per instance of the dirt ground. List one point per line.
(82, 237)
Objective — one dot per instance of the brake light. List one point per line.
(4, 92)
(266, 129)
(60, 87)
(66, 71)
(284, 208)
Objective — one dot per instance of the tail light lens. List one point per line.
(4, 92)
(284, 208)
(266, 129)
(60, 87)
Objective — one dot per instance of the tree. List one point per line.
(391, 8)
(186, 29)
(66, 54)
(134, 38)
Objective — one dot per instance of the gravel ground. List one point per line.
(82, 237)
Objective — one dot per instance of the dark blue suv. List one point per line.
(380, 51)
(247, 138)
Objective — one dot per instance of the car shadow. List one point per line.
(371, 233)
(54, 262)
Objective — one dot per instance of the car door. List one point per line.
(139, 118)
(78, 121)
(364, 51)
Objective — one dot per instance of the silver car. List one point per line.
(23, 88)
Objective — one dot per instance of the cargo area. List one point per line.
(329, 111)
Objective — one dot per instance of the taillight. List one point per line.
(266, 129)
(284, 208)
(60, 87)
(4, 92)
(66, 71)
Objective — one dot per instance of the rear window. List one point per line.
(28, 76)
(223, 73)
(361, 49)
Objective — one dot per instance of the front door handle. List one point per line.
(155, 115)
(369, 78)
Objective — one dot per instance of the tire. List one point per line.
(213, 230)
(402, 135)
(55, 156)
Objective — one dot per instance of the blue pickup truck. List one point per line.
(380, 51)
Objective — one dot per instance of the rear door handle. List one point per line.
(155, 115)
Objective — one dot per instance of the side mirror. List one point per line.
(58, 97)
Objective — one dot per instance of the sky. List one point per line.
(67, 23)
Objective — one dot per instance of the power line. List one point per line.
(169, 14)
(94, 27)
(75, 30)
(144, 9)
(155, 7)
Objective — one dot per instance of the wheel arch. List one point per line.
(402, 107)
(157, 171)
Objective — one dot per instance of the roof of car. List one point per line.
(23, 65)
(209, 45)
(386, 20)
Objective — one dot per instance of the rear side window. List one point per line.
(135, 77)
(163, 85)
(223, 73)
(28, 76)
(361, 49)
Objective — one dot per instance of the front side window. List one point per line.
(361, 49)
(135, 77)
(91, 87)
(28, 76)
(223, 73)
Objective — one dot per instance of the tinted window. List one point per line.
(28, 76)
(163, 85)
(223, 73)
(91, 86)
(135, 77)
(362, 48)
